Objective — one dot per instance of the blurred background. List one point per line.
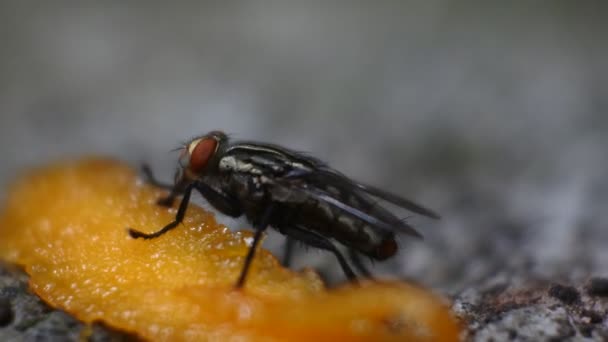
(494, 114)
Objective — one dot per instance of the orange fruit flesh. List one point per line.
(66, 224)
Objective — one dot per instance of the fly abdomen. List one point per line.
(386, 249)
(349, 231)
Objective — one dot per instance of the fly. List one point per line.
(296, 194)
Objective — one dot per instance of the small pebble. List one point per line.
(598, 287)
(591, 317)
(6, 312)
(566, 294)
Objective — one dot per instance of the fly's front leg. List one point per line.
(176, 189)
(179, 217)
(151, 179)
(261, 227)
(168, 201)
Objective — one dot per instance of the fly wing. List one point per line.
(331, 187)
(378, 193)
(294, 172)
(398, 200)
(386, 221)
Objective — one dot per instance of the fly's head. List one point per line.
(199, 156)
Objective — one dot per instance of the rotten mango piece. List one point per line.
(66, 224)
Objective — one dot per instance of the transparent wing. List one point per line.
(397, 200)
(404, 203)
(395, 225)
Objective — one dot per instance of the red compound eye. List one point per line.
(200, 152)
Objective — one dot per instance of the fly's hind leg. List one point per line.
(319, 241)
(290, 244)
(358, 263)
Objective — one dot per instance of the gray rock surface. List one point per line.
(492, 114)
(519, 308)
(24, 317)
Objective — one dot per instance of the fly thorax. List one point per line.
(227, 164)
(255, 188)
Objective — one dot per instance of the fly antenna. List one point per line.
(178, 148)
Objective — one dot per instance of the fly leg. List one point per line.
(179, 217)
(358, 263)
(319, 241)
(290, 244)
(261, 227)
(151, 179)
(176, 189)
